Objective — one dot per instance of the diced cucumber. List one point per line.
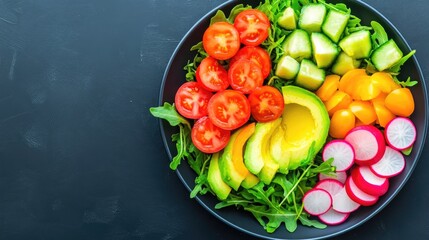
(287, 67)
(324, 50)
(288, 19)
(344, 63)
(335, 23)
(357, 45)
(386, 55)
(312, 17)
(309, 75)
(298, 45)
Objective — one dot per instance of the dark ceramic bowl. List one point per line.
(243, 221)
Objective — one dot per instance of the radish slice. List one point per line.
(368, 143)
(342, 153)
(341, 202)
(391, 164)
(332, 217)
(400, 133)
(368, 182)
(357, 195)
(332, 186)
(340, 176)
(317, 201)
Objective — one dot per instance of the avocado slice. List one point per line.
(305, 124)
(214, 178)
(257, 157)
(231, 163)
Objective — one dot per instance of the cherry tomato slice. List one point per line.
(257, 54)
(253, 26)
(221, 40)
(245, 75)
(207, 137)
(342, 122)
(211, 75)
(266, 103)
(191, 100)
(400, 102)
(229, 109)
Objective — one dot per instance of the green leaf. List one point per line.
(407, 83)
(218, 17)
(397, 67)
(236, 10)
(275, 218)
(379, 36)
(168, 112)
(407, 151)
(311, 223)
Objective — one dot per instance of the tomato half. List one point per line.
(207, 137)
(211, 75)
(191, 100)
(245, 75)
(221, 40)
(266, 103)
(229, 109)
(253, 26)
(257, 54)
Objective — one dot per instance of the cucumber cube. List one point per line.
(357, 45)
(288, 19)
(287, 67)
(386, 55)
(310, 76)
(334, 24)
(324, 50)
(312, 17)
(298, 45)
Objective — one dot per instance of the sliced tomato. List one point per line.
(192, 100)
(257, 54)
(211, 75)
(253, 26)
(245, 75)
(266, 103)
(229, 109)
(221, 40)
(207, 137)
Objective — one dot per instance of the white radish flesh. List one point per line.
(317, 201)
(357, 195)
(342, 153)
(391, 164)
(332, 186)
(340, 176)
(332, 217)
(341, 202)
(368, 144)
(400, 133)
(368, 182)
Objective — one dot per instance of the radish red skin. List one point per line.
(320, 197)
(342, 203)
(342, 152)
(365, 185)
(379, 168)
(358, 195)
(389, 135)
(332, 217)
(362, 146)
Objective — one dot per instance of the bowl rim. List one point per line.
(376, 210)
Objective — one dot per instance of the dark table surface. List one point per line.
(80, 155)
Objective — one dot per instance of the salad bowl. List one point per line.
(243, 221)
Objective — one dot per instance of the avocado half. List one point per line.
(305, 124)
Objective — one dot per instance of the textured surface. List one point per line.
(80, 155)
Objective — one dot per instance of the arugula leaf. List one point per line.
(379, 37)
(218, 17)
(311, 223)
(397, 67)
(168, 112)
(407, 83)
(275, 218)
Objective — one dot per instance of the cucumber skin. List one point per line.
(387, 55)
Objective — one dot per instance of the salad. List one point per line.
(293, 111)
